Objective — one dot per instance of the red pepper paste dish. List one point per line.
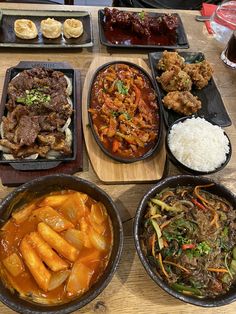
(124, 112)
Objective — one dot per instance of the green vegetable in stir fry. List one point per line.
(189, 236)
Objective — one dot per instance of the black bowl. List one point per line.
(40, 187)
(180, 180)
(187, 169)
(157, 145)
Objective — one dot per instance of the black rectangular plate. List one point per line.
(182, 41)
(9, 39)
(43, 163)
(213, 108)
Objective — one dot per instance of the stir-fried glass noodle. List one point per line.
(189, 237)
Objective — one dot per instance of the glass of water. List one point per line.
(223, 20)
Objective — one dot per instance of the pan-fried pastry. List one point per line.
(51, 28)
(73, 28)
(25, 29)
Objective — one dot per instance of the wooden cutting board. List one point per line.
(107, 169)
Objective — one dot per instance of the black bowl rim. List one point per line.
(210, 302)
(186, 168)
(67, 307)
(155, 148)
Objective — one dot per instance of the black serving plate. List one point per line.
(9, 39)
(213, 108)
(43, 163)
(157, 145)
(171, 182)
(181, 42)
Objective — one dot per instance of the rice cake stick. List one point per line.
(46, 253)
(52, 218)
(40, 273)
(57, 242)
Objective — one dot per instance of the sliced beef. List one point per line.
(27, 130)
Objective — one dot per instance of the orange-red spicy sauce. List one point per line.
(124, 111)
(56, 248)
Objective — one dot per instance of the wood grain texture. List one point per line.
(131, 291)
(108, 170)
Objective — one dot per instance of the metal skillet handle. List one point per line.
(201, 18)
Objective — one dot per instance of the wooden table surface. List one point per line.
(131, 290)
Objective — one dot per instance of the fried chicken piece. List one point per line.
(175, 80)
(182, 102)
(169, 60)
(200, 73)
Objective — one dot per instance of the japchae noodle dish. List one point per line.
(56, 247)
(189, 237)
(124, 111)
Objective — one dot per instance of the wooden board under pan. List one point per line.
(107, 169)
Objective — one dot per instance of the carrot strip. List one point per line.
(177, 265)
(196, 191)
(137, 94)
(166, 223)
(162, 266)
(153, 244)
(206, 204)
(165, 243)
(218, 270)
(115, 145)
(215, 220)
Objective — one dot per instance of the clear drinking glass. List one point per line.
(223, 23)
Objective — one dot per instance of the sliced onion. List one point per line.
(66, 125)
(75, 237)
(68, 136)
(69, 85)
(8, 156)
(70, 102)
(57, 279)
(1, 130)
(53, 154)
(4, 149)
(33, 156)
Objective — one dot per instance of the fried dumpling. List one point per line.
(72, 28)
(25, 29)
(51, 28)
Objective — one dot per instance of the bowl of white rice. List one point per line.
(198, 146)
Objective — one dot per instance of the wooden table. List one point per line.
(131, 290)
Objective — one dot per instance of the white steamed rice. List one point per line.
(198, 144)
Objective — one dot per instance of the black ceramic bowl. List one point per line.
(187, 169)
(40, 187)
(156, 146)
(180, 180)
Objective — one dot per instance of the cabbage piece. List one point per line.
(75, 237)
(79, 279)
(97, 240)
(57, 279)
(23, 214)
(98, 213)
(14, 264)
